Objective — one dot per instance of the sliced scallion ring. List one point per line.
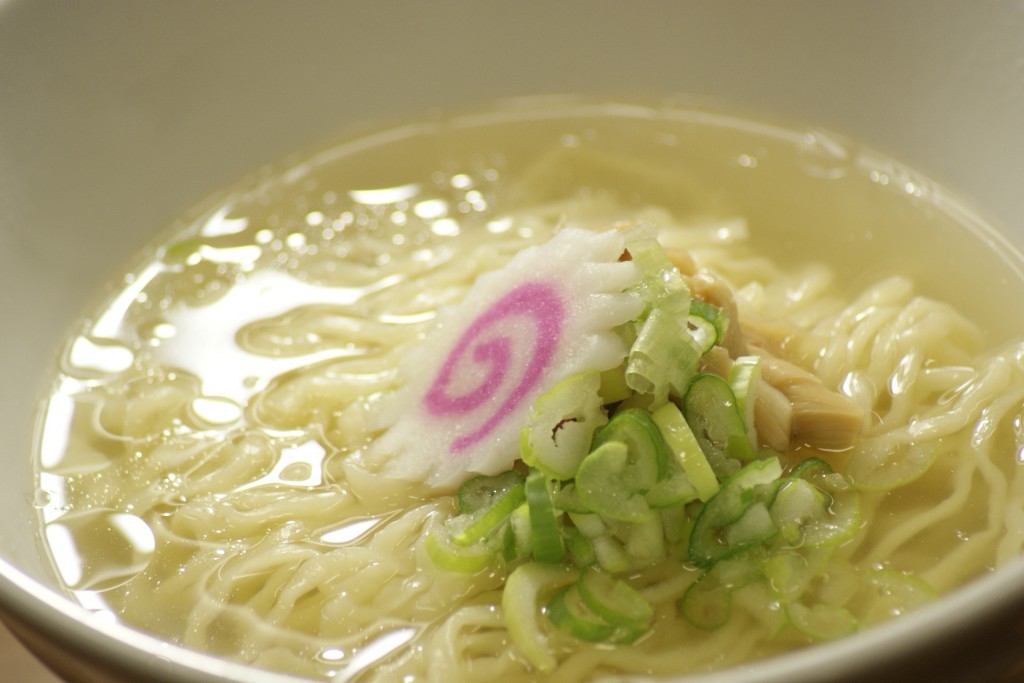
(614, 600)
(546, 538)
(612, 482)
(683, 443)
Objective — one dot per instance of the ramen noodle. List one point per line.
(562, 392)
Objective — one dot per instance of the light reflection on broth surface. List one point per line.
(213, 407)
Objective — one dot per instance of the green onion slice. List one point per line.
(614, 600)
(570, 614)
(712, 412)
(526, 586)
(486, 502)
(452, 557)
(681, 439)
(546, 537)
(561, 426)
(744, 377)
(737, 517)
(612, 481)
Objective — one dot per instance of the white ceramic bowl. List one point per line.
(116, 115)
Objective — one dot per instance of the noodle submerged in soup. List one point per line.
(207, 464)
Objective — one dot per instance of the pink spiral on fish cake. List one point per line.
(537, 302)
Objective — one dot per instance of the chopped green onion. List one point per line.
(612, 481)
(661, 284)
(823, 513)
(636, 429)
(798, 505)
(722, 527)
(712, 413)
(645, 543)
(500, 495)
(570, 614)
(581, 548)
(744, 377)
(567, 499)
(589, 524)
(614, 600)
(712, 314)
(707, 603)
(788, 575)
(841, 524)
(741, 569)
(676, 523)
(703, 332)
(520, 603)
(663, 358)
(482, 492)
(613, 385)
(449, 556)
(610, 554)
(810, 469)
(562, 425)
(681, 440)
(755, 526)
(486, 522)
(673, 489)
(546, 538)
(518, 541)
